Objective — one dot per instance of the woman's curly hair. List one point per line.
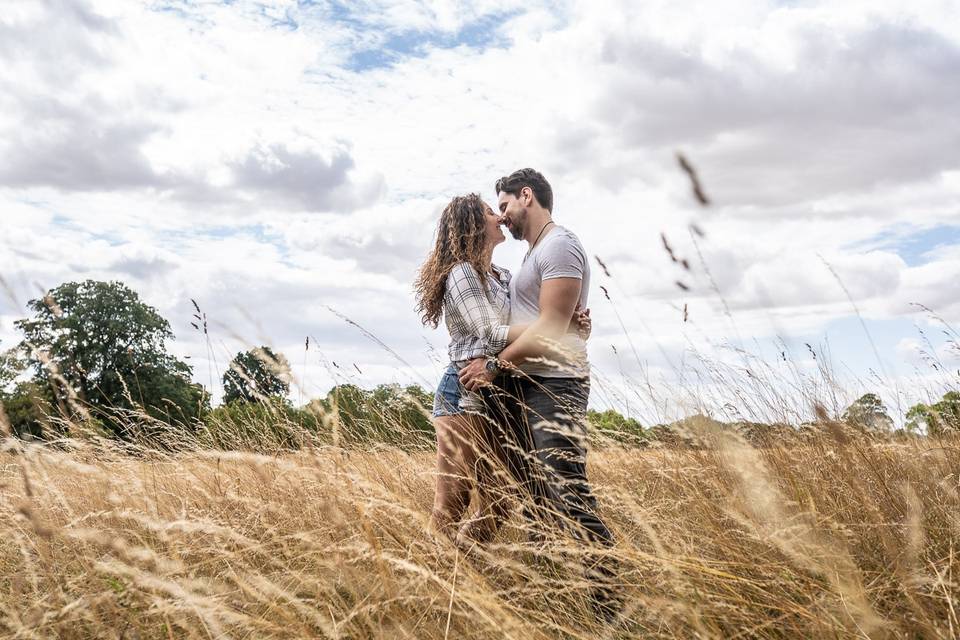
(461, 237)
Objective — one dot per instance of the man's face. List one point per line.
(513, 214)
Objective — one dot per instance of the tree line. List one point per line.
(93, 356)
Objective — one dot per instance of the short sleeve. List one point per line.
(563, 257)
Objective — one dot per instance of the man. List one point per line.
(552, 377)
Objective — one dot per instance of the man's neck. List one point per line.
(536, 221)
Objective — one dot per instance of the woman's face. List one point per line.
(494, 232)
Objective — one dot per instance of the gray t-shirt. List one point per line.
(559, 254)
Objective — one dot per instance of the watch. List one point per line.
(493, 366)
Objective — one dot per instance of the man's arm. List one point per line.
(558, 299)
(580, 324)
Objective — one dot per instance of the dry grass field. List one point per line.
(842, 537)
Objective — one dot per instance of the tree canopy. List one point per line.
(256, 375)
(99, 344)
(868, 412)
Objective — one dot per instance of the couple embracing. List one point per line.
(510, 410)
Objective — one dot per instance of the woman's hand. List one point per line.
(475, 374)
(581, 324)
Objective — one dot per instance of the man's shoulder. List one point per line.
(563, 235)
(561, 241)
(561, 256)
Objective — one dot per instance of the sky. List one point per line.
(283, 163)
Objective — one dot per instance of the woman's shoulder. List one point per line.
(462, 274)
(465, 270)
(461, 269)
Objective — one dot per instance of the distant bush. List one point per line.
(348, 416)
(388, 414)
(28, 410)
(939, 418)
(260, 426)
(612, 425)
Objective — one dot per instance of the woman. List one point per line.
(459, 282)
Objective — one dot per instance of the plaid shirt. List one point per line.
(478, 320)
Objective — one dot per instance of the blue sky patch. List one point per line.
(913, 244)
(257, 231)
(66, 222)
(481, 34)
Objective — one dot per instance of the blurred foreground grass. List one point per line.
(842, 535)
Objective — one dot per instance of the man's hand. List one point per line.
(475, 375)
(581, 323)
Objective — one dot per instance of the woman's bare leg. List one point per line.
(456, 455)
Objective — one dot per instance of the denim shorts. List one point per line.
(452, 398)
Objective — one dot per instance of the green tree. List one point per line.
(11, 366)
(938, 418)
(869, 413)
(98, 345)
(27, 406)
(256, 376)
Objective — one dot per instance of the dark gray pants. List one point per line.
(546, 431)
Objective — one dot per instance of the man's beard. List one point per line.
(519, 225)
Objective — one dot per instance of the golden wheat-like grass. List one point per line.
(839, 536)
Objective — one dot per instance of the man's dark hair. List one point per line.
(532, 178)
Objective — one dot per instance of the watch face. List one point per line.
(492, 366)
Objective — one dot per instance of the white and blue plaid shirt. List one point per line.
(478, 319)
